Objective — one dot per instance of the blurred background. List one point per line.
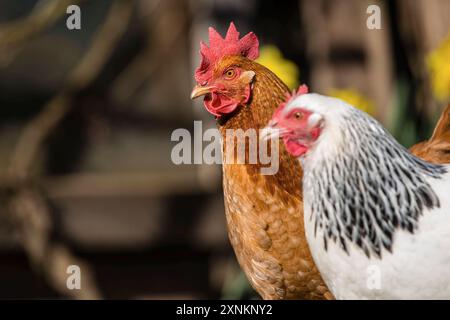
(86, 117)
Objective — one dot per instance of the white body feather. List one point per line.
(417, 268)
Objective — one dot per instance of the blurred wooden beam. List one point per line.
(344, 53)
(91, 185)
(28, 209)
(423, 26)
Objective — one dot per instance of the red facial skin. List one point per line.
(297, 134)
(228, 91)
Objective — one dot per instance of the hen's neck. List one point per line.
(267, 94)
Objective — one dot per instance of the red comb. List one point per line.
(303, 89)
(220, 47)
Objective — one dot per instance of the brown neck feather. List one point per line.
(267, 94)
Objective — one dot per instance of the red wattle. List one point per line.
(294, 147)
(219, 104)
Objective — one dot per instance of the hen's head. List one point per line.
(304, 118)
(223, 76)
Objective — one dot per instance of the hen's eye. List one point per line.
(298, 115)
(230, 73)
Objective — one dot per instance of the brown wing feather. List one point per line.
(437, 148)
(268, 237)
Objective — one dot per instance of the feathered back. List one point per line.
(437, 149)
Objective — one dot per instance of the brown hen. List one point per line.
(264, 212)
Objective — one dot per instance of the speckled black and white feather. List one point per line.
(371, 188)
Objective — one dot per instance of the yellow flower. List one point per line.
(272, 58)
(354, 98)
(438, 62)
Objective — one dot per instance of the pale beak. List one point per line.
(271, 131)
(201, 91)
